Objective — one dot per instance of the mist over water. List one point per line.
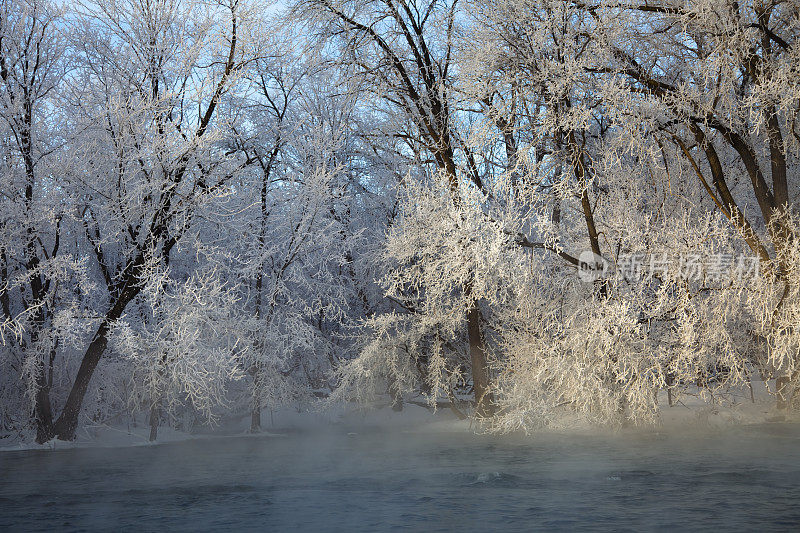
(370, 479)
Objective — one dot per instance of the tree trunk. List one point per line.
(127, 288)
(255, 419)
(783, 393)
(484, 400)
(255, 410)
(67, 423)
(670, 383)
(42, 408)
(394, 394)
(155, 417)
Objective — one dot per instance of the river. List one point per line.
(743, 478)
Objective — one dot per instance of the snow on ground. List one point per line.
(276, 424)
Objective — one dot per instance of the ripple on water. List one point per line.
(495, 479)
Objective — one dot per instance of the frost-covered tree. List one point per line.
(145, 98)
(38, 269)
(715, 80)
(188, 346)
(404, 52)
(639, 109)
(577, 149)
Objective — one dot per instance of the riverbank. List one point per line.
(690, 411)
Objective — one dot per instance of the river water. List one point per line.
(368, 479)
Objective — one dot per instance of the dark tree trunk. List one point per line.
(394, 394)
(484, 399)
(127, 289)
(255, 419)
(42, 409)
(155, 418)
(670, 383)
(67, 423)
(783, 392)
(255, 393)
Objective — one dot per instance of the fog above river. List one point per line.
(369, 476)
